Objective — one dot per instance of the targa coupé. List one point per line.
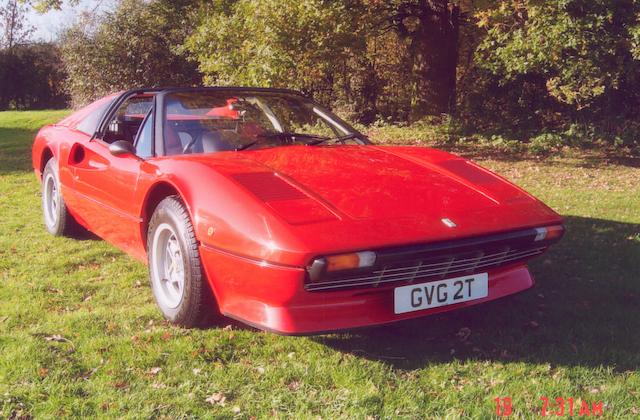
(266, 207)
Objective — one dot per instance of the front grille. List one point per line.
(434, 262)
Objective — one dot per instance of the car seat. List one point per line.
(212, 141)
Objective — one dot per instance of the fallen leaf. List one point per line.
(217, 398)
(166, 336)
(290, 355)
(158, 385)
(533, 324)
(463, 334)
(236, 409)
(154, 371)
(42, 372)
(56, 337)
(294, 386)
(90, 373)
(196, 371)
(121, 385)
(260, 370)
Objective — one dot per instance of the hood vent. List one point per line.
(268, 187)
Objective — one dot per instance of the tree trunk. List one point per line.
(434, 48)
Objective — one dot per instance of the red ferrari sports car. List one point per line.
(266, 207)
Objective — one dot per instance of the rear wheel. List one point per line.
(175, 271)
(57, 219)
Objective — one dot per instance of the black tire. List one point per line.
(192, 304)
(56, 217)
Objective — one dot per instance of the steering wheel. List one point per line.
(189, 145)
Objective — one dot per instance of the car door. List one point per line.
(105, 186)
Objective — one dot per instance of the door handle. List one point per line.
(94, 164)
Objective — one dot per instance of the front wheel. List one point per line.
(175, 271)
(57, 219)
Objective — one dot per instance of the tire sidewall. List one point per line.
(51, 170)
(167, 212)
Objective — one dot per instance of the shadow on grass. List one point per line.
(15, 150)
(78, 233)
(584, 310)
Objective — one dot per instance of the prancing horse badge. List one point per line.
(448, 222)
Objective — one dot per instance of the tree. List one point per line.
(14, 31)
(35, 75)
(343, 51)
(432, 29)
(584, 53)
(43, 6)
(272, 43)
(134, 45)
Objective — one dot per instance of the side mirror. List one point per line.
(121, 147)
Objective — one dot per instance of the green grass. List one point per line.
(80, 334)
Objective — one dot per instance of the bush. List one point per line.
(545, 143)
(131, 46)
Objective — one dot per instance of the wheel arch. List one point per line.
(45, 157)
(156, 193)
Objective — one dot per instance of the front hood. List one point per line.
(372, 183)
(292, 203)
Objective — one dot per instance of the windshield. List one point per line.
(212, 121)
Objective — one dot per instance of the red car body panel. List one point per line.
(262, 216)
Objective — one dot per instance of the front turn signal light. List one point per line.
(549, 233)
(350, 261)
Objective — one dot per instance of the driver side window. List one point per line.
(144, 140)
(128, 118)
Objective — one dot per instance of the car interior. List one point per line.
(226, 124)
(128, 119)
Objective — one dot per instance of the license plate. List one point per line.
(440, 293)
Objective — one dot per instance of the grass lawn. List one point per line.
(80, 334)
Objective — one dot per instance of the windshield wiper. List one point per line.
(247, 145)
(341, 138)
(293, 136)
(286, 135)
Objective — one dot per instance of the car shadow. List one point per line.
(584, 310)
(79, 233)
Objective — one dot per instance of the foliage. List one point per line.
(132, 46)
(32, 76)
(304, 45)
(545, 143)
(513, 70)
(581, 54)
(80, 335)
(44, 6)
(370, 57)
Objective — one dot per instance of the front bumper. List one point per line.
(273, 298)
